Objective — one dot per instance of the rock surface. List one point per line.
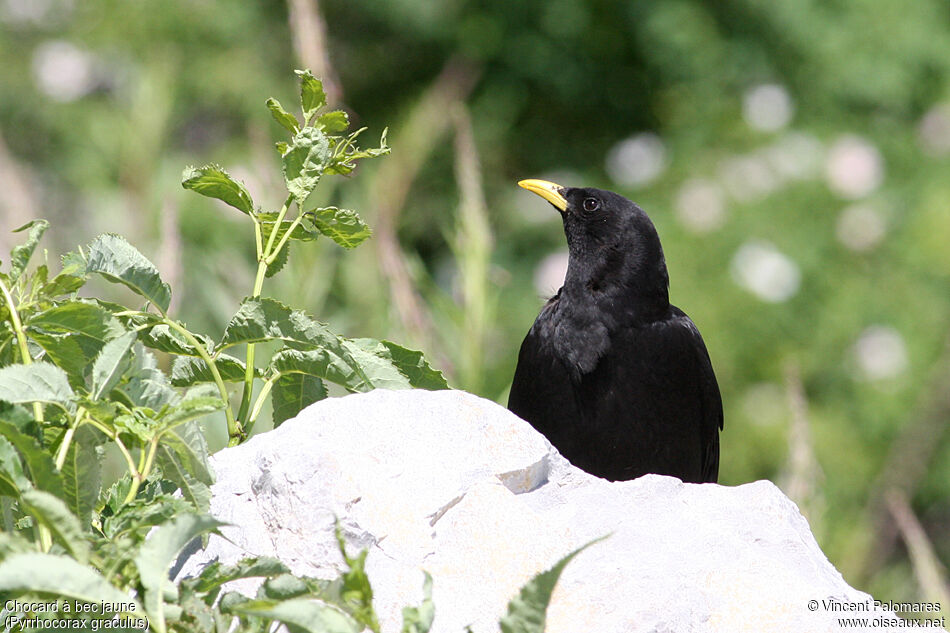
(458, 486)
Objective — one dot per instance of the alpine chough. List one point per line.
(617, 378)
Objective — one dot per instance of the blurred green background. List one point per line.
(793, 154)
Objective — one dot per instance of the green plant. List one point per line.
(79, 373)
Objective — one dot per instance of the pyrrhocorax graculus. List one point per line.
(617, 378)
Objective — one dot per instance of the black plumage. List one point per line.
(613, 375)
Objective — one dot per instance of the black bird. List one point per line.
(614, 376)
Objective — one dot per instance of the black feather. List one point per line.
(613, 375)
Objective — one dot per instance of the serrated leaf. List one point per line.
(347, 154)
(263, 319)
(147, 385)
(13, 480)
(419, 619)
(196, 492)
(165, 339)
(111, 364)
(356, 593)
(312, 96)
(216, 574)
(190, 370)
(155, 557)
(380, 371)
(343, 226)
(302, 232)
(72, 334)
(320, 363)
(279, 262)
(305, 162)
(82, 473)
(21, 254)
(90, 320)
(37, 463)
(293, 392)
(39, 382)
(58, 576)
(70, 278)
(410, 363)
(527, 612)
(118, 261)
(51, 512)
(286, 119)
(299, 614)
(214, 182)
(197, 402)
(336, 121)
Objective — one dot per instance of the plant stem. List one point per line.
(235, 433)
(68, 438)
(21, 341)
(265, 256)
(259, 403)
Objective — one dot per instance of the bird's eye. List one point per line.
(591, 204)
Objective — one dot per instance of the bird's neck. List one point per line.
(618, 301)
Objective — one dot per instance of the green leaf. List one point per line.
(301, 232)
(287, 120)
(312, 96)
(343, 226)
(118, 261)
(196, 403)
(147, 385)
(39, 382)
(279, 262)
(72, 334)
(37, 462)
(21, 254)
(375, 365)
(263, 319)
(111, 364)
(93, 323)
(70, 278)
(419, 619)
(320, 363)
(189, 370)
(82, 473)
(13, 481)
(216, 574)
(527, 613)
(292, 392)
(336, 121)
(165, 339)
(411, 363)
(58, 576)
(51, 512)
(305, 162)
(214, 182)
(346, 153)
(299, 614)
(155, 557)
(356, 593)
(196, 492)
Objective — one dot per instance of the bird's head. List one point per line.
(613, 246)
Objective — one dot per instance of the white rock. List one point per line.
(458, 486)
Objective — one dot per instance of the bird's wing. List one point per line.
(712, 419)
(542, 391)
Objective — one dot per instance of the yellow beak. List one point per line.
(547, 190)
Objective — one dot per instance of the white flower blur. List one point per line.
(854, 167)
(637, 161)
(700, 205)
(880, 353)
(764, 271)
(767, 107)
